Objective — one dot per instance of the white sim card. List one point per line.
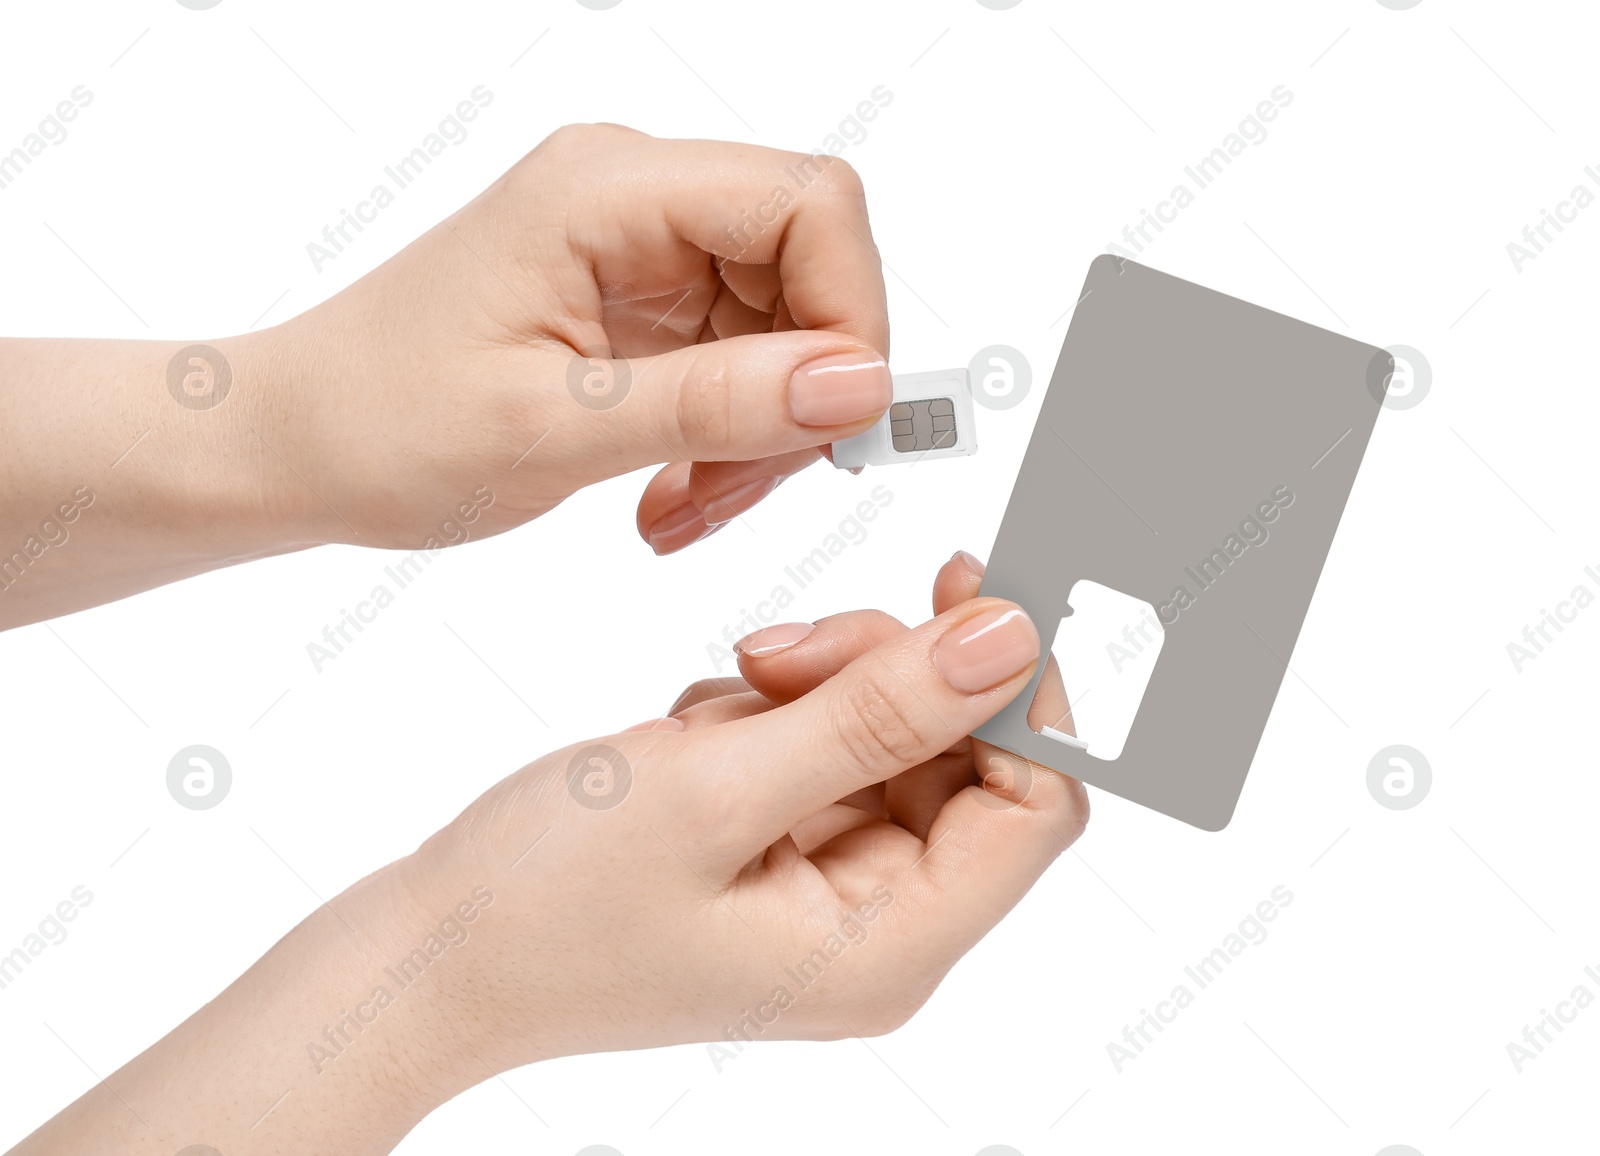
(930, 417)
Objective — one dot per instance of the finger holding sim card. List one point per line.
(930, 418)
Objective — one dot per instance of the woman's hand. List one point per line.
(614, 301)
(800, 853)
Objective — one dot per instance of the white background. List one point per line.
(1017, 145)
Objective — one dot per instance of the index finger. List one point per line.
(805, 213)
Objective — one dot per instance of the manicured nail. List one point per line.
(672, 546)
(676, 520)
(985, 651)
(678, 528)
(968, 561)
(839, 389)
(771, 639)
(727, 506)
(657, 724)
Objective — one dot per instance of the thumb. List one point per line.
(899, 704)
(753, 396)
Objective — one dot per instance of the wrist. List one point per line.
(268, 468)
(379, 1028)
(159, 459)
(198, 448)
(297, 1046)
(477, 994)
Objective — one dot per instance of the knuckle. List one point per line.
(610, 129)
(705, 689)
(568, 135)
(1055, 810)
(560, 143)
(880, 733)
(572, 144)
(1062, 801)
(839, 178)
(870, 625)
(581, 136)
(704, 408)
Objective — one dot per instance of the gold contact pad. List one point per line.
(922, 425)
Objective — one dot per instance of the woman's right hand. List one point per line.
(801, 853)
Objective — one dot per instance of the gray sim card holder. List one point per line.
(1177, 420)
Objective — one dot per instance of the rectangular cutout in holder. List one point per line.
(1195, 452)
(1106, 651)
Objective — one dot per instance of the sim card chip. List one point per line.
(930, 417)
(928, 424)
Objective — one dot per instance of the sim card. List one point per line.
(930, 417)
(1188, 471)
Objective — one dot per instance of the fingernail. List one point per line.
(672, 546)
(725, 507)
(839, 389)
(968, 561)
(678, 528)
(657, 724)
(985, 651)
(771, 639)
